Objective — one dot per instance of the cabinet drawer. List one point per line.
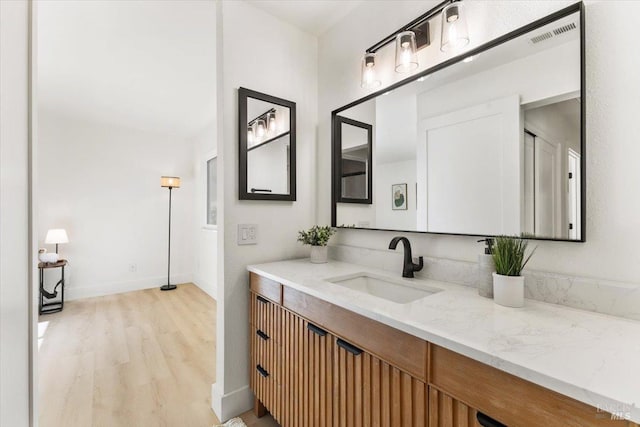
(265, 369)
(266, 353)
(445, 411)
(371, 392)
(507, 398)
(400, 349)
(266, 288)
(265, 317)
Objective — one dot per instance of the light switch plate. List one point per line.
(247, 234)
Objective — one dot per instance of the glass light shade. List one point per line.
(250, 137)
(170, 181)
(368, 76)
(406, 52)
(455, 34)
(272, 122)
(261, 128)
(56, 236)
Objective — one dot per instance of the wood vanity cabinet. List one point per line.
(265, 343)
(314, 364)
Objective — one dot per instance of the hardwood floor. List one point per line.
(142, 359)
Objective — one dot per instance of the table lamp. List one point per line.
(56, 236)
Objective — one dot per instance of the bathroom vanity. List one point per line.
(329, 348)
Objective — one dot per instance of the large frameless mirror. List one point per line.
(267, 134)
(491, 142)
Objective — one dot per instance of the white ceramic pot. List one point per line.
(319, 254)
(49, 258)
(508, 290)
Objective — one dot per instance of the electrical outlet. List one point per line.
(133, 268)
(247, 234)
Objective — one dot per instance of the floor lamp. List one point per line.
(169, 182)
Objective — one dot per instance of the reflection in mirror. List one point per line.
(267, 147)
(487, 146)
(355, 160)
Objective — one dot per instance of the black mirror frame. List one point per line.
(243, 95)
(574, 8)
(337, 151)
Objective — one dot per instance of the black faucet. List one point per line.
(409, 267)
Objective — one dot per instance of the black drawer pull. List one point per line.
(262, 335)
(262, 299)
(316, 330)
(262, 371)
(487, 421)
(349, 347)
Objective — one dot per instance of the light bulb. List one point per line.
(272, 122)
(368, 76)
(261, 128)
(250, 135)
(454, 27)
(406, 52)
(406, 56)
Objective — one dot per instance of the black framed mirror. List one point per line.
(267, 142)
(488, 142)
(354, 166)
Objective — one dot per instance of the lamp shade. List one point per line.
(406, 52)
(368, 76)
(56, 236)
(170, 181)
(455, 34)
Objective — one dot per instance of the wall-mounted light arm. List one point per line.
(420, 26)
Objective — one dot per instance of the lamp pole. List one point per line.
(169, 286)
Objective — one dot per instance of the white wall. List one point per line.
(15, 261)
(386, 175)
(268, 166)
(205, 269)
(101, 183)
(613, 180)
(525, 77)
(262, 53)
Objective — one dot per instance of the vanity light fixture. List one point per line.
(368, 77)
(455, 34)
(263, 125)
(416, 35)
(406, 52)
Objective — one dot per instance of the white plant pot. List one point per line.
(319, 254)
(508, 290)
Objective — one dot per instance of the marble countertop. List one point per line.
(590, 357)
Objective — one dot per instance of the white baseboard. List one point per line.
(208, 287)
(231, 404)
(74, 293)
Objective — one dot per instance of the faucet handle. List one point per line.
(419, 265)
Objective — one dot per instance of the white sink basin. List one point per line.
(399, 291)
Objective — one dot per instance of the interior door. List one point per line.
(529, 214)
(476, 151)
(548, 219)
(574, 194)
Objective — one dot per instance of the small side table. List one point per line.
(55, 306)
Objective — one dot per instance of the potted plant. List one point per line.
(509, 256)
(317, 237)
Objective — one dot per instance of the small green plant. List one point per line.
(509, 255)
(316, 235)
